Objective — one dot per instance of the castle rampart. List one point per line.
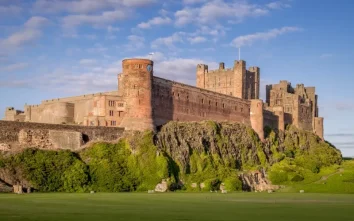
(16, 135)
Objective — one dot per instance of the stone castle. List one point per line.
(144, 101)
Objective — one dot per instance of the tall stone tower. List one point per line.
(136, 89)
(202, 69)
(240, 78)
(256, 72)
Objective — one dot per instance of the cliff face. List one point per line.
(206, 150)
(231, 145)
(203, 155)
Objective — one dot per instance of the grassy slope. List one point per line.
(336, 179)
(177, 206)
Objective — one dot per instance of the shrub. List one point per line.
(233, 184)
(212, 185)
(278, 177)
(297, 178)
(51, 171)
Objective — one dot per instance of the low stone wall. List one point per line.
(15, 135)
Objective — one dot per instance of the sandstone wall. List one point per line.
(270, 119)
(180, 102)
(305, 117)
(14, 135)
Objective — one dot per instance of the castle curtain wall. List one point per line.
(180, 102)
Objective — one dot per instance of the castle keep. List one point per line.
(144, 101)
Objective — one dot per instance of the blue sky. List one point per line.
(52, 48)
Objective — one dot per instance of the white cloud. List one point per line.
(217, 30)
(197, 40)
(278, 5)
(36, 22)
(164, 12)
(134, 43)
(112, 29)
(83, 80)
(98, 48)
(215, 10)
(107, 17)
(191, 2)
(29, 33)
(21, 38)
(86, 6)
(327, 55)
(247, 40)
(10, 10)
(154, 22)
(14, 67)
(180, 69)
(168, 41)
(185, 16)
(87, 62)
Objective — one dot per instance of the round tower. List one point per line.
(256, 116)
(136, 83)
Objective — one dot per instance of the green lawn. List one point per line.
(177, 206)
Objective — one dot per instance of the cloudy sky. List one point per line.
(56, 48)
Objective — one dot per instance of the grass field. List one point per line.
(177, 206)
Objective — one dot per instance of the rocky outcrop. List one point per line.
(257, 181)
(236, 144)
(5, 188)
(13, 176)
(162, 187)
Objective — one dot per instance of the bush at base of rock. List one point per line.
(233, 184)
(212, 185)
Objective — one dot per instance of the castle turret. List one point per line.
(257, 74)
(137, 84)
(256, 115)
(202, 69)
(221, 66)
(240, 79)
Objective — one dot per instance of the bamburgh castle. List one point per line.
(144, 101)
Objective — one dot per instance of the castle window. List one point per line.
(202, 101)
(241, 109)
(235, 108)
(113, 123)
(111, 103)
(111, 113)
(223, 105)
(216, 104)
(178, 95)
(140, 66)
(209, 102)
(187, 97)
(120, 104)
(134, 86)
